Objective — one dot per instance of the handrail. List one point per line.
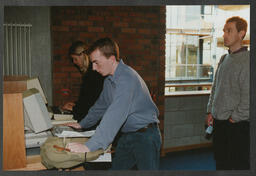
(187, 84)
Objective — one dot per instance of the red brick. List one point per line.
(59, 51)
(112, 18)
(69, 69)
(57, 81)
(141, 20)
(74, 28)
(122, 14)
(144, 41)
(162, 47)
(61, 63)
(56, 69)
(95, 29)
(154, 32)
(120, 24)
(65, 47)
(128, 30)
(144, 31)
(60, 75)
(127, 20)
(151, 15)
(75, 75)
(96, 18)
(86, 35)
(85, 23)
(136, 14)
(161, 124)
(69, 23)
(60, 28)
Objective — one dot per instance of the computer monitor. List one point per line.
(35, 83)
(36, 116)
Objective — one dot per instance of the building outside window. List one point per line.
(194, 44)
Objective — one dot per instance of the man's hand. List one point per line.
(74, 125)
(209, 119)
(231, 120)
(77, 147)
(68, 106)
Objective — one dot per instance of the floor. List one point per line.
(197, 159)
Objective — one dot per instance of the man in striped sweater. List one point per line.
(228, 106)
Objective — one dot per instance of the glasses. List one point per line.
(79, 54)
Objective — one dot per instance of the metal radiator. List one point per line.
(17, 49)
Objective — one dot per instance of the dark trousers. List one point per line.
(231, 144)
(97, 165)
(139, 150)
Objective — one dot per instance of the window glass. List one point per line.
(194, 43)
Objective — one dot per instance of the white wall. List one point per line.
(41, 55)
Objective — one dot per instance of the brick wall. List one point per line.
(139, 31)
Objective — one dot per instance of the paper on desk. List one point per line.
(106, 157)
(76, 134)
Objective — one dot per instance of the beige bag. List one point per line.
(54, 155)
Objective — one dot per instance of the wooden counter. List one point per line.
(34, 164)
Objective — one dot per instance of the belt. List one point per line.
(141, 130)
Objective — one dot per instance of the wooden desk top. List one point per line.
(34, 164)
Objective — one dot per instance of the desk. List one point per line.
(34, 164)
(15, 156)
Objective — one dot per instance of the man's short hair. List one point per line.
(107, 47)
(241, 24)
(74, 46)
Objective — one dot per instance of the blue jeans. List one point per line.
(138, 148)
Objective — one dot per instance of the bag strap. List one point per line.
(222, 59)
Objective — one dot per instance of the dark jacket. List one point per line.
(92, 85)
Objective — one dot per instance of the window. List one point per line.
(185, 58)
(194, 44)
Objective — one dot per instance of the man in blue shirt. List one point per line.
(124, 105)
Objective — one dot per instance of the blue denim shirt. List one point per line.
(125, 103)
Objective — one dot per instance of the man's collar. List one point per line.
(117, 71)
(244, 48)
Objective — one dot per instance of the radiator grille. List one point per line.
(17, 49)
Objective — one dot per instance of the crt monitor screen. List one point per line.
(36, 116)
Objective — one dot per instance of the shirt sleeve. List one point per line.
(115, 115)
